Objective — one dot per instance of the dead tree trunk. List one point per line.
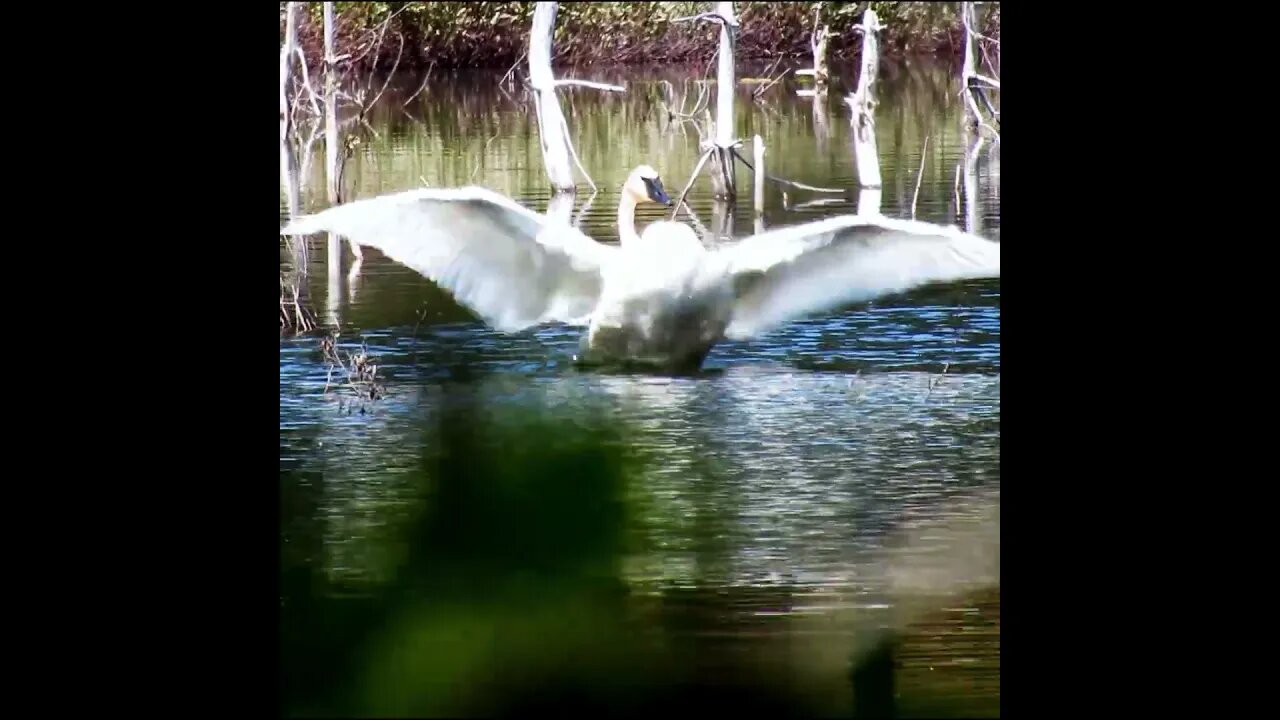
(974, 85)
(288, 160)
(553, 130)
(862, 103)
(723, 177)
(721, 148)
(821, 34)
(330, 106)
(292, 11)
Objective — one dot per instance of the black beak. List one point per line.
(656, 191)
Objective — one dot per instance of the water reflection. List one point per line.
(499, 524)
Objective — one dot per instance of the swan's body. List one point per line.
(661, 299)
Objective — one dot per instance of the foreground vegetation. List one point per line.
(495, 34)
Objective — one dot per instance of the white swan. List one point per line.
(661, 299)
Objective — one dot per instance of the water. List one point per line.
(499, 528)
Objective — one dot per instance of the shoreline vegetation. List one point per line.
(375, 37)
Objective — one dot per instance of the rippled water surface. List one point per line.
(497, 524)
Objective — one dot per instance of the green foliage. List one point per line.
(495, 34)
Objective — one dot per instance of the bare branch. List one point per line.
(390, 75)
(697, 169)
(306, 81)
(970, 79)
(590, 84)
(420, 87)
(511, 70)
(800, 186)
(820, 202)
(761, 90)
(983, 78)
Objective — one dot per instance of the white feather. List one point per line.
(508, 264)
(805, 269)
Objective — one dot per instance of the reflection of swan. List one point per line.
(661, 299)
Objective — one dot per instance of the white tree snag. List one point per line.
(720, 148)
(331, 149)
(292, 11)
(973, 84)
(821, 34)
(724, 78)
(553, 129)
(288, 160)
(862, 103)
(723, 177)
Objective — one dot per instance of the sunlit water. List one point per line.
(826, 470)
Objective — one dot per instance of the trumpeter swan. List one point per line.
(661, 299)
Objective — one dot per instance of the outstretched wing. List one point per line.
(793, 271)
(508, 264)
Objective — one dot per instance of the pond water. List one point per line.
(812, 521)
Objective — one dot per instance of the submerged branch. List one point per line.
(919, 176)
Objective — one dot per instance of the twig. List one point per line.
(697, 169)
(390, 75)
(506, 76)
(483, 151)
(919, 177)
(306, 81)
(760, 90)
(590, 84)
(421, 87)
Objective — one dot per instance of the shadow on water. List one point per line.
(809, 524)
(509, 589)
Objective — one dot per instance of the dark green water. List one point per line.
(500, 530)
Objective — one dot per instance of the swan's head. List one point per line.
(643, 185)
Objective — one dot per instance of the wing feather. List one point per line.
(508, 264)
(785, 273)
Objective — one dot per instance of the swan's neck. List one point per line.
(627, 220)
